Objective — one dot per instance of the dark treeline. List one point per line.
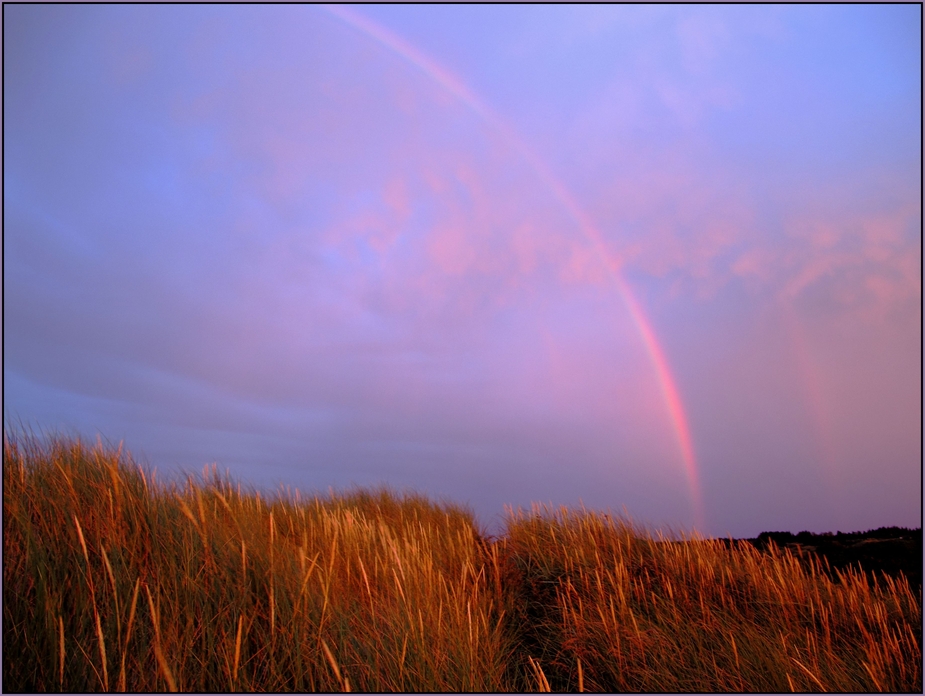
(890, 551)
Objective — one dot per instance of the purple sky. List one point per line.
(660, 257)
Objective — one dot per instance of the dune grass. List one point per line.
(116, 581)
(614, 610)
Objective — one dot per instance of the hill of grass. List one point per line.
(115, 581)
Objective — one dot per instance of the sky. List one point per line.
(660, 260)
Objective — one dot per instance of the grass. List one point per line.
(116, 581)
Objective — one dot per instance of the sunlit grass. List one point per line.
(114, 580)
(614, 610)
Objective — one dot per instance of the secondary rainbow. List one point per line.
(456, 87)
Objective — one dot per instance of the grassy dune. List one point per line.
(115, 581)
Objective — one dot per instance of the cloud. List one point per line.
(864, 263)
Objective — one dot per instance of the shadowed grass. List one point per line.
(115, 581)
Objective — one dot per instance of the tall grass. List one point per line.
(114, 580)
(611, 609)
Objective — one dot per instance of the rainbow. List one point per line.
(454, 86)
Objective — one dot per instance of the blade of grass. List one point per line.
(345, 683)
(237, 653)
(128, 635)
(158, 653)
(102, 644)
(61, 652)
(542, 683)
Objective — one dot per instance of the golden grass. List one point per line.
(372, 591)
(624, 612)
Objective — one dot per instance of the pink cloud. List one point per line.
(583, 267)
(867, 264)
(696, 224)
(450, 248)
(670, 221)
(755, 263)
(526, 243)
(396, 196)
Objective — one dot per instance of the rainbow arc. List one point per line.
(457, 88)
